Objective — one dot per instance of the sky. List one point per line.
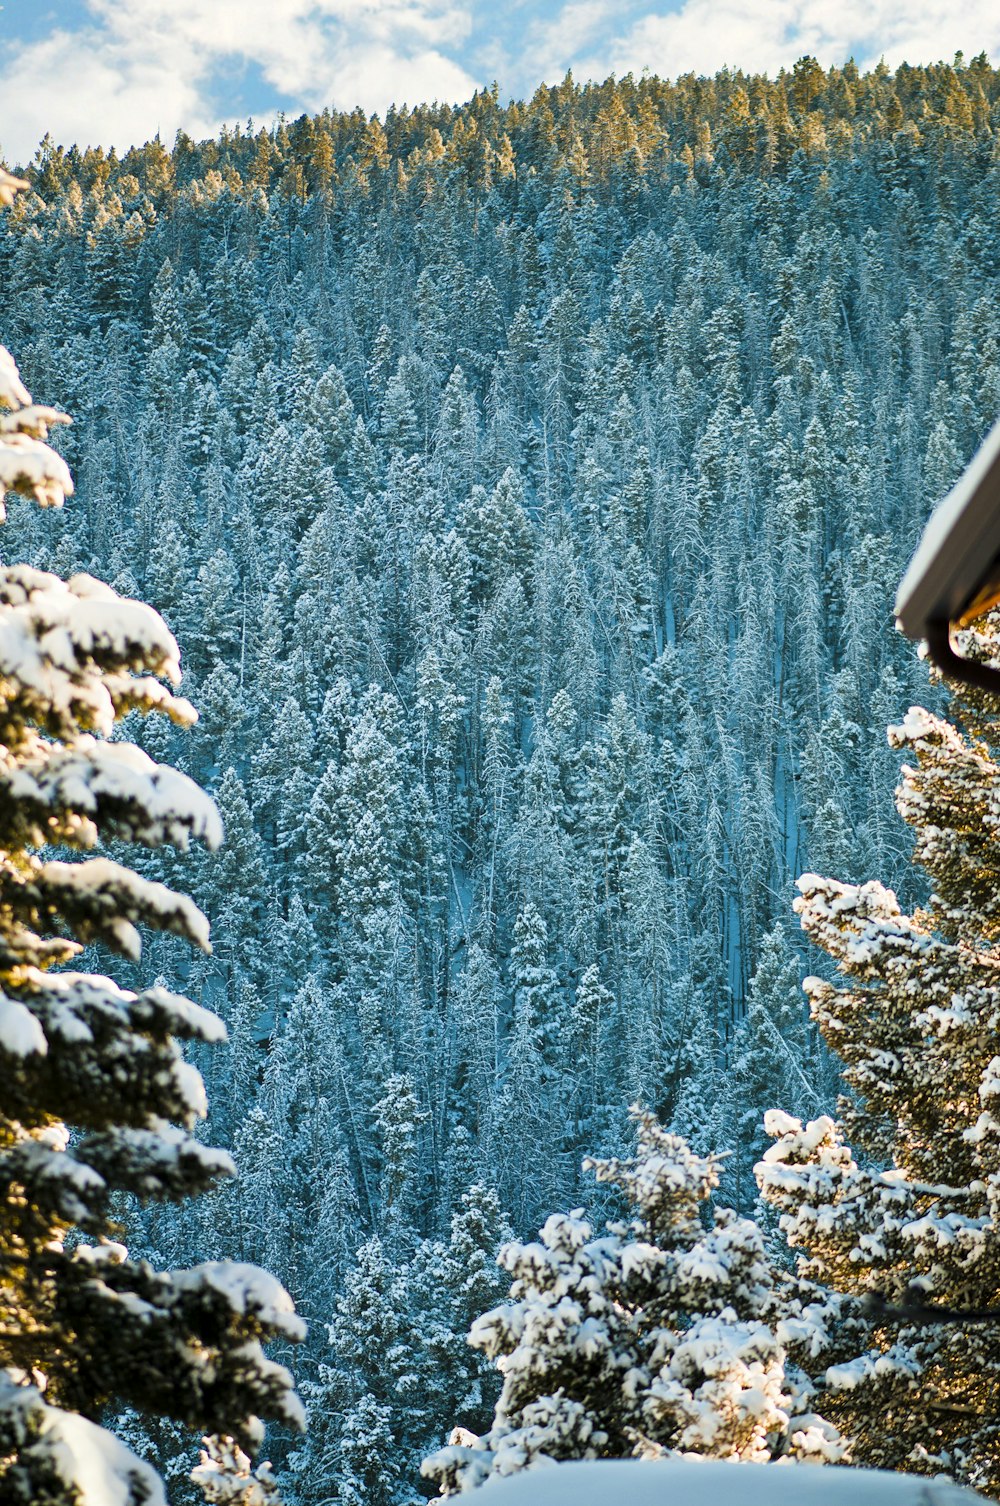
(117, 72)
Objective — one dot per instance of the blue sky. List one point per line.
(118, 71)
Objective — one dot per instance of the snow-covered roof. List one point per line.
(710, 1482)
(957, 557)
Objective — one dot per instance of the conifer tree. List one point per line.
(96, 1098)
(910, 1219)
(624, 591)
(650, 1339)
(768, 1057)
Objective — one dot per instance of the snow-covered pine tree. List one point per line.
(651, 1338)
(913, 1218)
(96, 1097)
(768, 1059)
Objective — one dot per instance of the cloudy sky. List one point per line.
(118, 71)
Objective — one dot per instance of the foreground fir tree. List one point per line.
(96, 1098)
(652, 1338)
(910, 1217)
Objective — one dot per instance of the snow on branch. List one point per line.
(67, 650)
(115, 790)
(99, 900)
(27, 464)
(73, 1459)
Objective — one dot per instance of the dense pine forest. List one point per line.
(527, 487)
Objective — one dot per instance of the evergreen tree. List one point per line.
(909, 1218)
(651, 1339)
(97, 1098)
(769, 1058)
(618, 609)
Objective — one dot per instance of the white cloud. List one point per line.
(138, 66)
(553, 44)
(765, 35)
(142, 66)
(376, 77)
(83, 89)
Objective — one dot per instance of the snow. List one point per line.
(108, 1252)
(103, 1471)
(20, 1032)
(182, 1017)
(796, 1139)
(152, 803)
(672, 1341)
(66, 1185)
(69, 1002)
(895, 1361)
(35, 419)
(67, 649)
(868, 918)
(155, 1008)
(690, 1482)
(106, 623)
(120, 896)
(96, 1469)
(191, 1088)
(29, 465)
(225, 1476)
(154, 1153)
(990, 1085)
(13, 392)
(248, 1290)
(917, 725)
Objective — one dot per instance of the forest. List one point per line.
(527, 487)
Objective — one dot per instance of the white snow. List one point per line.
(249, 1292)
(96, 1469)
(13, 392)
(226, 1476)
(103, 1471)
(159, 804)
(705, 1482)
(20, 1032)
(917, 725)
(35, 419)
(126, 897)
(68, 650)
(29, 465)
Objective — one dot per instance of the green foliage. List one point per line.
(527, 484)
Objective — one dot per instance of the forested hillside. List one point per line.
(527, 488)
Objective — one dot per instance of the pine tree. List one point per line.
(398, 1116)
(236, 885)
(538, 1003)
(534, 1111)
(910, 1218)
(97, 1099)
(769, 1058)
(651, 1339)
(593, 1008)
(227, 1478)
(363, 1422)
